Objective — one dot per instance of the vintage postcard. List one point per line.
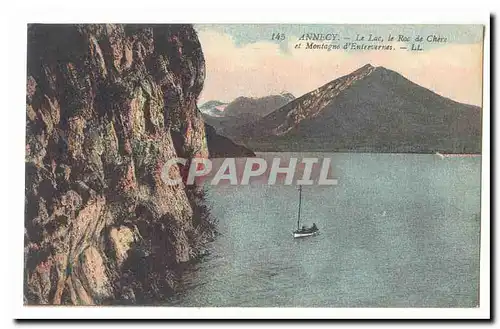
(254, 165)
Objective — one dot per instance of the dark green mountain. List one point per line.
(373, 109)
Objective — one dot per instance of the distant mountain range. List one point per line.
(225, 117)
(214, 114)
(257, 106)
(213, 108)
(373, 109)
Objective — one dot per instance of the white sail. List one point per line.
(300, 233)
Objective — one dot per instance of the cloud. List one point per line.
(261, 68)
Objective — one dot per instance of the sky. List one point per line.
(243, 60)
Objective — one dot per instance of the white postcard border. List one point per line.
(115, 12)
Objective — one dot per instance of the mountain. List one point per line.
(257, 106)
(222, 147)
(213, 108)
(241, 111)
(373, 109)
(226, 125)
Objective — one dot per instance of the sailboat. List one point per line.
(439, 155)
(304, 231)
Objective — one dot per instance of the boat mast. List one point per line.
(300, 200)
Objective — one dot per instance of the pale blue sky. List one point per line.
(243, 34)
(243, 60)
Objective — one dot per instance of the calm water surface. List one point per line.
(398, 230)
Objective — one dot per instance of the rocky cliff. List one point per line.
(104, 105)
(373, 109)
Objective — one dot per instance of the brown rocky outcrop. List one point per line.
(103, 105)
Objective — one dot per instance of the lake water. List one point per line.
(399, 230)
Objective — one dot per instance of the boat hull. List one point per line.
(303, 235)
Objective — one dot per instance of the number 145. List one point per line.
(278, 36)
